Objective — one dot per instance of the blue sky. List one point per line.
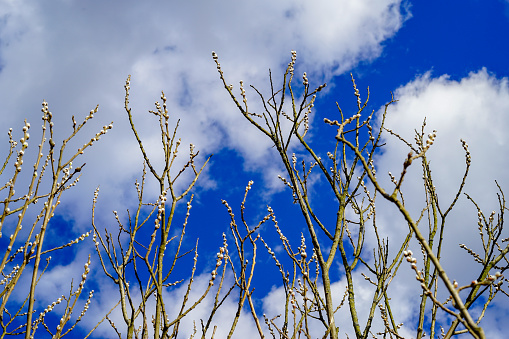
(446, 61)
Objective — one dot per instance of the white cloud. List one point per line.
(475, 109)
(223, 318)
(77, 55)
(403, 310)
